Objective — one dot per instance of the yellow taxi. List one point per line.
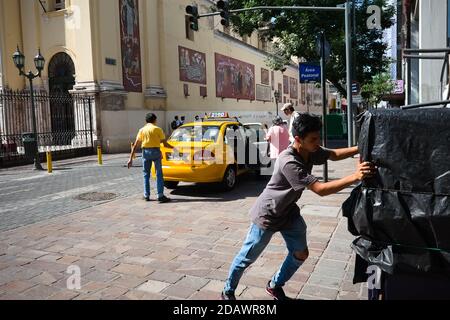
(215, 149)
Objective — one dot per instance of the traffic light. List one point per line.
(224, 10)
(192, 11)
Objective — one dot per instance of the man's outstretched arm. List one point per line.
(344, 153)
(364, 170)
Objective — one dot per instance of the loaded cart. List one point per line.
(402, 215)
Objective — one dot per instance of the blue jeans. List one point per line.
(256, 241)
(150, 155)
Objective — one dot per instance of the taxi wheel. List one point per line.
(229, 178)
(171, 184)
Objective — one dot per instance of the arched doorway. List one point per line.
(61, 75)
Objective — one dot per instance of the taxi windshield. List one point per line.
(195, 133)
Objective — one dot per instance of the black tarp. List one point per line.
(402, 215)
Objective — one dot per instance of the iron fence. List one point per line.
(63, 125)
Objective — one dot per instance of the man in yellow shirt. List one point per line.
(150, 138)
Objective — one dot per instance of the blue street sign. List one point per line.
(309, 72)
(355, 88)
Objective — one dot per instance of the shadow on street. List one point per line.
(248, 185)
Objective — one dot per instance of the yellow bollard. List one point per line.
(134, 155)
(99, 155)
(49, 162)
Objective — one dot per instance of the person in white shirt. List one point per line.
(290, 112)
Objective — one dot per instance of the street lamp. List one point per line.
(276, 95)
(39, 62)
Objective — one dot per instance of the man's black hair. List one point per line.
(150, 117)
(176, 117)
(305, 123)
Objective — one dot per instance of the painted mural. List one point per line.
(203, 92)
(272, 79)
(293, 85)
(234, 78)
(303, 93)
(279, 91)
(263, 93)
(309, 94)
(264, 76)
(130, 42)
(285, 85)
(192, 65)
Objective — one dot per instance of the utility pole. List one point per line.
(353, 37)
(348, 54)
(324, 100)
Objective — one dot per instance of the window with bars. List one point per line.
(59, 5)
(53, 5)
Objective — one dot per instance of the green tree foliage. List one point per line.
(296, 32)
(373, 91)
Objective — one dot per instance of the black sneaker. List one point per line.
(146, 198)
(164, 199)
(277, 293)
(227, 296)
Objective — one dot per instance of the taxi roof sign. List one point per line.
(218, 115)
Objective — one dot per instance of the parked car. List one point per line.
(261, 144)
(216, 150)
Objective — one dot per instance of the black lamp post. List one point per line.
(276, 95)
(39, 62)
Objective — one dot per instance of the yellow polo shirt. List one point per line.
(150, 136)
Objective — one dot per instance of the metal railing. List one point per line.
(63, 124)
(445, 71)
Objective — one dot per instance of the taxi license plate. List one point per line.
(177, 157)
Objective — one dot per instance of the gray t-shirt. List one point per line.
(276, 207)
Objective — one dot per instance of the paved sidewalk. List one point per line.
(131, 249)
